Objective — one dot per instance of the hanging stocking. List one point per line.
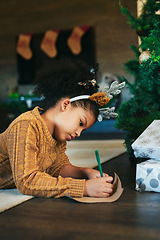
(74, 40)
(48, 44)
(23, 46)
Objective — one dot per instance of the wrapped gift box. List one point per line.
(148, 176)
(147, 145)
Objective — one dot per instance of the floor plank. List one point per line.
(134, 216)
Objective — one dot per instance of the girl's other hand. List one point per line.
(92, 173)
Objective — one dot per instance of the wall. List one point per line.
(113, 35)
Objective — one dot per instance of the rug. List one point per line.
(81, 154)
(10, 198)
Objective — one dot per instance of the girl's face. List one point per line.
(71, 122)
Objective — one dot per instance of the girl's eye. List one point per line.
(81, 123)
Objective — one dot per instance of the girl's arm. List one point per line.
(96, 186)
(27, 169)
(80, 172)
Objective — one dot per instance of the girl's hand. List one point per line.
(98, 187)
(92, 173)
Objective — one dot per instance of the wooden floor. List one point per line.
(135, 216)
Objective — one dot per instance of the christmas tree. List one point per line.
(143, 107)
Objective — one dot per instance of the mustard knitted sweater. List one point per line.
(31, 160)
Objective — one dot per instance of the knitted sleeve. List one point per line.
(28, 175)
(60, 161)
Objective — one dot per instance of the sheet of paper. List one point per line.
(118, 190)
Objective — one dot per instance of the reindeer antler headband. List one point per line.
(102, 98)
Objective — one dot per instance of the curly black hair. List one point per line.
(60, 78)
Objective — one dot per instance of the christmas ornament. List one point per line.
(144, 56)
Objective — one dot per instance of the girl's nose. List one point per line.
(78, 133)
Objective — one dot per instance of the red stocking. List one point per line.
(23, 46)
(48, 44)
(74, 40)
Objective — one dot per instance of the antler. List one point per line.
(108, 112)
(114, 89)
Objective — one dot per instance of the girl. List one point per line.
(32, 149)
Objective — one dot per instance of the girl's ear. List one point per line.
(65, 104)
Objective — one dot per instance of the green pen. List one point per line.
(99, 162)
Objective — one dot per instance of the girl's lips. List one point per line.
(70, 138)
